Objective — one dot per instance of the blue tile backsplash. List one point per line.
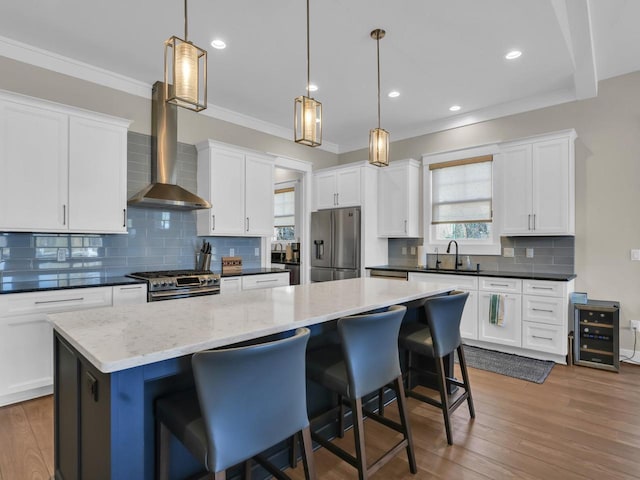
(156, 239)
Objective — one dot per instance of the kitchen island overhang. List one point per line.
(111, 364)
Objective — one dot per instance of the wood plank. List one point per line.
(20, 457)
(40, 415)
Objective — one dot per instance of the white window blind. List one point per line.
(284, 207)
(461, 191)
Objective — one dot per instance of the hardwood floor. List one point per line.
(581, 423)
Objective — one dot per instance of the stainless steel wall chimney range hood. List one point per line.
(163, 191)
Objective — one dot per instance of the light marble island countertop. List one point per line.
(118, 338)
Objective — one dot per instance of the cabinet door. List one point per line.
(510, 332)
(348, 187)
(325, 186)
(33, 166)
(517, 190)
(97, 176)
(227, 193)
(393, 208)
(258, 196)
(469, 323)
(550, 173)
(27, 356)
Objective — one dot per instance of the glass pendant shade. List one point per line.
(308, 121)
(185, 68)
(379, 147)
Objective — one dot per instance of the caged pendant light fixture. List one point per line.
(185, 71)
(307, 112)
(378, 137)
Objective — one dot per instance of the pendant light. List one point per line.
(378, 137)
(185, 71)
(307, 112)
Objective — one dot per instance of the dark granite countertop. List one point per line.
(558, 277)
(253, 271)
(64, 282)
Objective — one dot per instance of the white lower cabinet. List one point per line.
(510, 332)
(469, 322)
(253, 282)
(26, 336)
(129, 294)
(269, 280)
(536, 313)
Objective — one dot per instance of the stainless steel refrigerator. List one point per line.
(335, 244)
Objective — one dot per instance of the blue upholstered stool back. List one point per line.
(443, 318)
(251, 397)
(370, 346)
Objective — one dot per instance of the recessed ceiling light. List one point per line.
(394, 94)
(513, 54)
(218, 44)
(313, 88)
(455, 108)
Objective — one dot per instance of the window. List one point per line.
(462, 202)
(284, 225)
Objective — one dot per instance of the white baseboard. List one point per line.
(626, 355)
(25, 395)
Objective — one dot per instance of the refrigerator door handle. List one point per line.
(319, 248)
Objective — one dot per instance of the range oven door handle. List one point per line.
(171, 294)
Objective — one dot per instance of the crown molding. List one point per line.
(481, 115)
(38, 57)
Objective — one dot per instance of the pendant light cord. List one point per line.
(186, 28)
(308, 54)
(378, 50)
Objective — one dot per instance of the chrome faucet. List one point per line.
(458, 262)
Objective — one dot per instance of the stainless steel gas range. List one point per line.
(173, 284)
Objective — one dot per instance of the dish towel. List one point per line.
(496, 309)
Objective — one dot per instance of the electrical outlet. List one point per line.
(62, 254)
(232, 252)
(257, 252)
(413, 250)
(634, 325)
(635, 255)
(529, 252)
(404, 250)
(508, 252)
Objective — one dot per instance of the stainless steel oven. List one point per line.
(172, 284)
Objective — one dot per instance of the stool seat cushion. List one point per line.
(326, 366)
(417, 338)
(180, 412)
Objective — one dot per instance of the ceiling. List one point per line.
(436, 53)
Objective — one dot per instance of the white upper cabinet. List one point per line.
(97, 176)
(33, 166)
(63, 169)
(339, 187)
(239, 186)
(539, 187)
(399, 200)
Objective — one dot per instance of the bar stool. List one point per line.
(436, 339)
(365, 361)
(246, 400)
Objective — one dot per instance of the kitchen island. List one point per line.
(111, 364)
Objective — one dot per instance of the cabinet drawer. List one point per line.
(542, 287)
(462, 282)
(230, 285)
(252, 282)
(500, 285)
(544, 338)
(129, 294)
(55, 301)
(549, 310)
